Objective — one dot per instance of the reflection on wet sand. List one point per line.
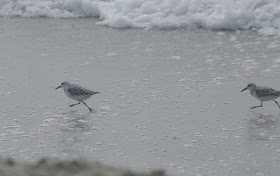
(75, 128)
(262, 127)
(75, 121)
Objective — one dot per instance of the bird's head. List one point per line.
(250, 86)
(63, 85)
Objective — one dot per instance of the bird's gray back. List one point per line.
(266, 91)
(75, 89)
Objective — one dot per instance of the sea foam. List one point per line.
(263, 15)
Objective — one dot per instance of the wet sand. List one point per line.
(169, 98)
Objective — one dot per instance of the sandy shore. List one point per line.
(57, 167)
(169, 98)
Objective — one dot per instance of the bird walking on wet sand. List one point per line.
(77, 92)
(262, 93)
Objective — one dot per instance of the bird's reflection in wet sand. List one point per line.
(262, 127)
(75, 130)
(75, 121)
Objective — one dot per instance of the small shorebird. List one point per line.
(77, 92)
(262, 93)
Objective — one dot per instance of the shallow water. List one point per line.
(169, 98)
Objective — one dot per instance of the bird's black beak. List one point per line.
(244, 89)
(58, 87)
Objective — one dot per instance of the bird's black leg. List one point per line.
(88, 107)
(257, 106)
(74, 104)
(276, 103)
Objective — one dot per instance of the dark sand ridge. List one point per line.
(57, 167)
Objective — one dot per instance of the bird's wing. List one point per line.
(75, 89)
(266, 91)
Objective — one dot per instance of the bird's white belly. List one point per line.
(267, 98)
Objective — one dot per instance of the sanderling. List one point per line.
(76, 92)
(262, 93)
